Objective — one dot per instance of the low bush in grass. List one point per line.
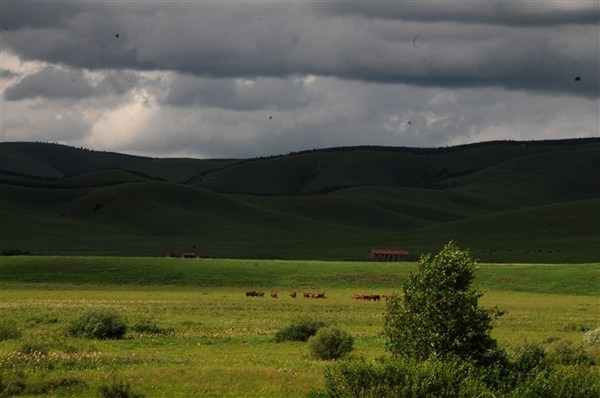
(448, 378)
(15, 384)
(561, 382)
(568, 353)
(401, 377)
(98, 325)
(8, 330)
(299, 330)
(34, 348)
(118, 389)
(150, 327)
(330, 343)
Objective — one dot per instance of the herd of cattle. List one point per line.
(371, 297)
(273, 294)
(255, 293)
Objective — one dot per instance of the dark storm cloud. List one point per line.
(512, 13)
(236, 94)
(50, 82)
(531, 46)
(55, 83)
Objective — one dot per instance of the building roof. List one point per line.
(387, 252)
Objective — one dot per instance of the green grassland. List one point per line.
(218, 342)
(507, 201)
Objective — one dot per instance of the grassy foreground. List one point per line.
(217, 341)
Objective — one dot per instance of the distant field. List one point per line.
(221, 342)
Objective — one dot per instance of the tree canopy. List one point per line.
(439, 316)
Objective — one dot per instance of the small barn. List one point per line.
(388, 255)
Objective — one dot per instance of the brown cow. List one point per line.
(293, 294)
(274, 294)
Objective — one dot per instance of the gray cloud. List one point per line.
(539, 47)
(69, 83)
(494, 12)
(359, 113)
(50, 82)
(236, 94)
(204, 79)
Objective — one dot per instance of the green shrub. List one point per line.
(402, 377)
(65, 385)
(454, 378)
(567, 353)
(150, 327)
(12, 384)
(561, 382)
(330, 343)
(118, 390)
(529, 357)
(8, 330)
(98, 325)
(299, 330)
(34, 348)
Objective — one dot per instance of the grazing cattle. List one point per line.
(307, 295)
(254, 293)
(274, 294)
(318, 295)
(386, 297)
(368, 297)
(293, 294)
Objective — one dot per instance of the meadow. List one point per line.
(212, 340)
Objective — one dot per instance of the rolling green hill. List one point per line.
(507, 201)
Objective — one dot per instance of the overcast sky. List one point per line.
(252, 78)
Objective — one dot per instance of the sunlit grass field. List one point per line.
(218, 342)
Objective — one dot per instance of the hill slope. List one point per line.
(508, 201)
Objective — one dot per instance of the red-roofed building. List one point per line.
(388, 255)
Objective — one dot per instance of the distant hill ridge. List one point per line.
(322, 203)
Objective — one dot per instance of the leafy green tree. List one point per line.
(439, 316)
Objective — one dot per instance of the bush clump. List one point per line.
(454, 378)
(98, 325)
(330, 343)
(8, 330)
(34, 348)
(150, 327)
(568, 353)
(299, 330)
(401, 377)
(119, 389)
